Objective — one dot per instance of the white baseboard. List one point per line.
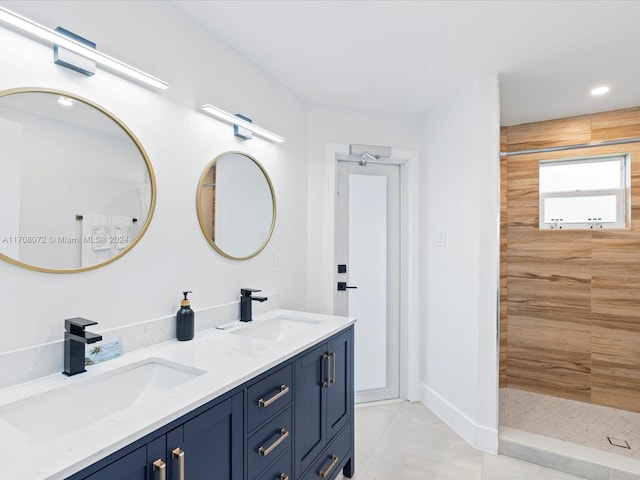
(479, 436)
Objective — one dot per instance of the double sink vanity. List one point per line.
(270, 399)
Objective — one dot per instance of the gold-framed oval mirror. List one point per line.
(236, 205)
(77, 187)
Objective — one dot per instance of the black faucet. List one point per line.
(75, 338)
(245, 303)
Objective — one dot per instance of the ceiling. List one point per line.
(404, 56)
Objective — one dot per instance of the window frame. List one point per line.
(622, 194)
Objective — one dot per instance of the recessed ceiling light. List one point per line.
(600, 90)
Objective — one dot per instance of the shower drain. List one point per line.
(616, 442)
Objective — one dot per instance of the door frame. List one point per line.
(409, 260)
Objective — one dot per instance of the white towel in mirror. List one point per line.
(122, 231)
(96, 239)
(101, 231)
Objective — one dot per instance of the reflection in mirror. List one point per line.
(77, 188)
(236, 205)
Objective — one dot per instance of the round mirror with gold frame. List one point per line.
(77, 188)
(236, 205)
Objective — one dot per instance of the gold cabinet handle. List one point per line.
(326, 365)
(332, 356)
(266, 451)
(284, 476)
(160, 467)
(334, 462)
(265, 403)
(178, 453)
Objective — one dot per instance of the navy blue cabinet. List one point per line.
(133, 466)
(324, 409)
(310, 404)
(143, 463)
(294, 422)
(207, 447)
(340, 391)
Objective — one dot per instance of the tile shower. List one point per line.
(569, 330)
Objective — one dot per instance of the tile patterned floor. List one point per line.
(405, 441)
(572, 421)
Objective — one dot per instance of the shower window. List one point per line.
(583, 193)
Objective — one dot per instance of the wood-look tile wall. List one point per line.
(570, 300)
(503, 257)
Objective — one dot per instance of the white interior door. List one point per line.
(368, 249)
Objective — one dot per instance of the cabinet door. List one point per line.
(137, 465)
(130, 467)
(340, 390)
(310, 424)
(212, 444)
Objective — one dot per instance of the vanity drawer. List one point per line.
(268, 396)
(281, 469)
(269, 442)
(333, 457)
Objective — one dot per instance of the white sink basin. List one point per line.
(275, 329)
(54, 413)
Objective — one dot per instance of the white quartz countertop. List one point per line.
(228, 360)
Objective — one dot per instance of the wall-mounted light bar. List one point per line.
(234, 120)
(43, 33)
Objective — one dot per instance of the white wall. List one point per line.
(173, 255)
(10, 181)
(459, 280)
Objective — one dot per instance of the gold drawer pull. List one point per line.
(284, 476)
(160, 467)
(265, 403)
(334, 462)
(266, 451)
(179, 454)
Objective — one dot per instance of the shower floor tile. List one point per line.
(571, 421)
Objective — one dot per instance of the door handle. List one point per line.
(178, 454)
(325, 473)
(265, 403)
(332, 360)
(160, 467)
(326, 369)
(284, 434)
(343, 286)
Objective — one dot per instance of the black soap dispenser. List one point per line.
(184, 319)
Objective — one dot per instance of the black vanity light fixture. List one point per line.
(65, 42)
(242, 126)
